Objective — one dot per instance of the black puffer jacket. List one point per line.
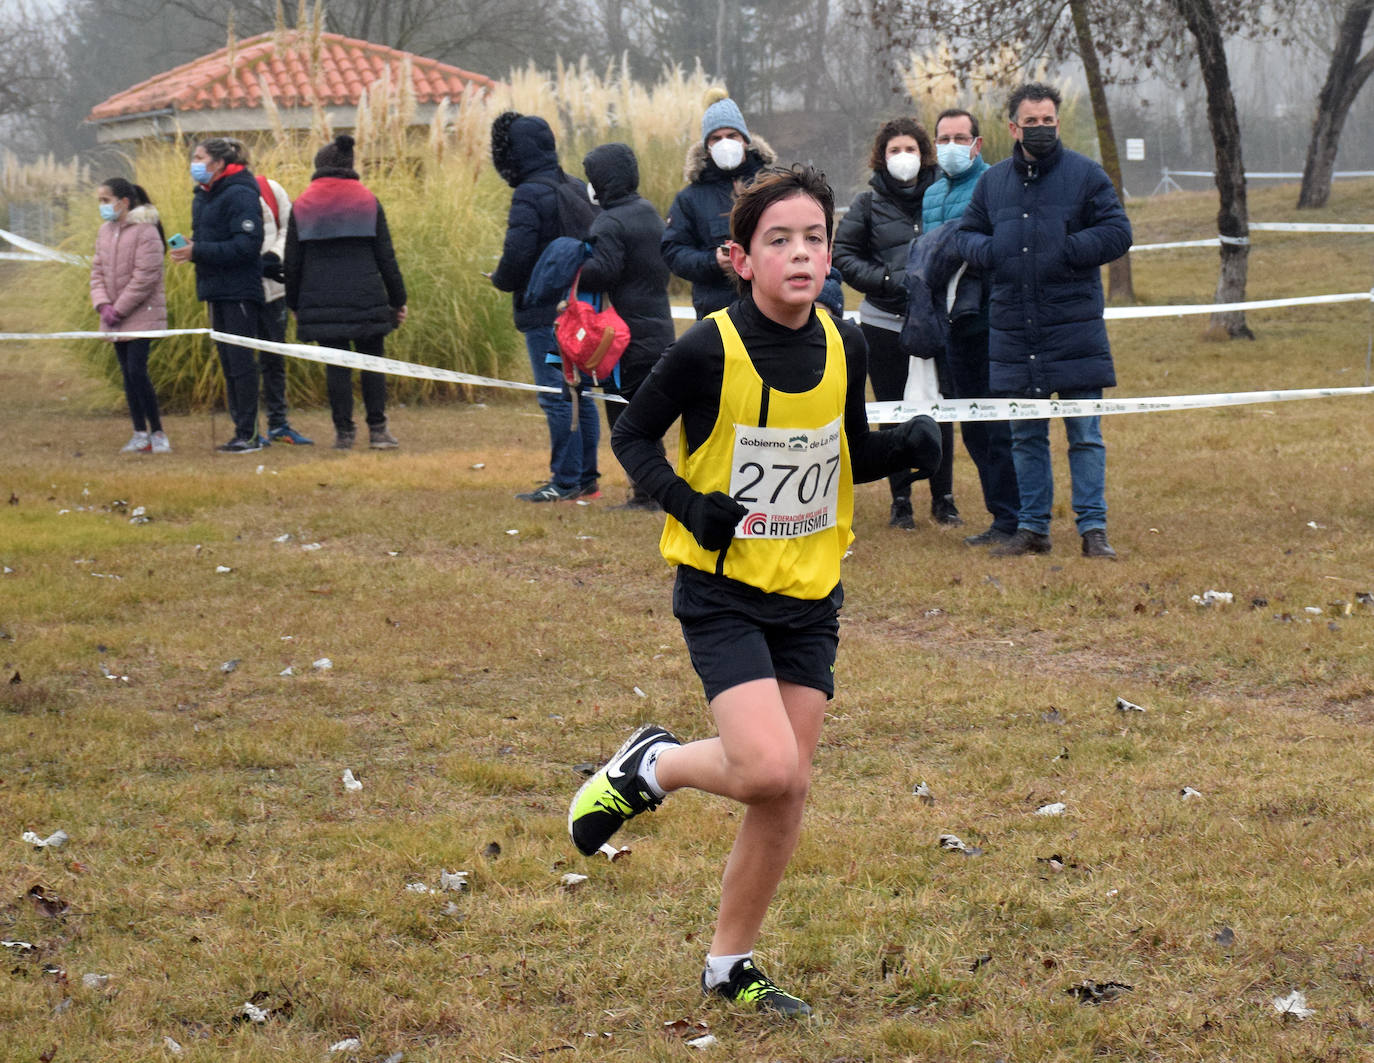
(524, 153)
(627, 258)
(873, 237)
(699, 222)
(226, 229)
(342, 279)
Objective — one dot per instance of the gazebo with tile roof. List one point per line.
(223, 92)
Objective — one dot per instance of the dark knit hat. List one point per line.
(337, 155)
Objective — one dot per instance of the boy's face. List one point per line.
(787, 259)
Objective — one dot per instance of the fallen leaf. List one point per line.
(1225, 937)
(492, 850)
(324, 664)
(1053, 716)
(1294, 1005)
(55, 840)
(453, 881)
(1098, 992)
(952, 843)
(1188, 793)
(230, 666)
(924, 792)
(348, 1044)
(572, 880)
(1122, 705)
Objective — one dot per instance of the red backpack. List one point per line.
(589, 339)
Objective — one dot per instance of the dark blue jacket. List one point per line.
(226, 228)
(528, 160)
(699, 222)
(627, 254)
(1041, 230)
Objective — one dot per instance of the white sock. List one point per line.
(648, 768)
(718, 968)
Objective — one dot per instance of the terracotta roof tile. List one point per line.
(347, 68)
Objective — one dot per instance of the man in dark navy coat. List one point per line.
(1040, 225)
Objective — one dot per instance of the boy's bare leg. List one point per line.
(762, 757)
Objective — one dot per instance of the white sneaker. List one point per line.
(139, 443)
(160, 443)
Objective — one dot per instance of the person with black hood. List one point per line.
(717, 168)
(871, 244)
(627, 264)
(225, 246)
(343, 284)
(525, 155)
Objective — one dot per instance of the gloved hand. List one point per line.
(712, 519)
(918, 441)
(272, 267)
(109, 316)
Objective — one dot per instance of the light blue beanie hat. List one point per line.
(724, 113)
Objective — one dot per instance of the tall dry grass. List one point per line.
(938, 79)
(445, 205)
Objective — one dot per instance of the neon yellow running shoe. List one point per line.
(615, 793)
(750, 986)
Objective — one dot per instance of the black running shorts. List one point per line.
(737, 633)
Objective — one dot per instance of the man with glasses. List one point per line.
(958, 147)
(1040, 225)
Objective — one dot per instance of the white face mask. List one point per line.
(904, 166)
(591, 194)
(727, 154)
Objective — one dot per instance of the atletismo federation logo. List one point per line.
(756, 524)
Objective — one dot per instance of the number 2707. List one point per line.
(778, 476)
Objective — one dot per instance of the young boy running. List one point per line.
(774, 436)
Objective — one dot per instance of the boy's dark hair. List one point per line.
(958, 112)
(222, 149)
(901, 127)
(1032, 90)
(770, 185)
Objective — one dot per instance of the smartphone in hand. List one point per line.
(176, 240)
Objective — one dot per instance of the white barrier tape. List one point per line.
(1039, 409)
(1119, 312)
(878, 412)
(21, 256)
(1234, 241)
(1265, 227)
(43, 251)
(1308, 227)
(686, 313)
(1271, 174)
(313, 353)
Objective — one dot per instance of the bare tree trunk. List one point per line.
(1120, 288)
(1233, 216)
(811, 99)
(1345, 76)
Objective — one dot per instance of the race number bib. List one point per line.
(789, 478)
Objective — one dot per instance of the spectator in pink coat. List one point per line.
(127, 291)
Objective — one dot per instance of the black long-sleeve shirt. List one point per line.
(686, 383)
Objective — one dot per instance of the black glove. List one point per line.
(272, 268)
(712, 518)
(918, 445)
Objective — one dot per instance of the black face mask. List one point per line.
(1039, 140)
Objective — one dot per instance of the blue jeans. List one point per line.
(1030, 451)
(573, 431)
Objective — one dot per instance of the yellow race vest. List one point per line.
(785, 456)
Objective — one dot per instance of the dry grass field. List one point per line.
(482, 648)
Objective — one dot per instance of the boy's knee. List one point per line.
(772, 779)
